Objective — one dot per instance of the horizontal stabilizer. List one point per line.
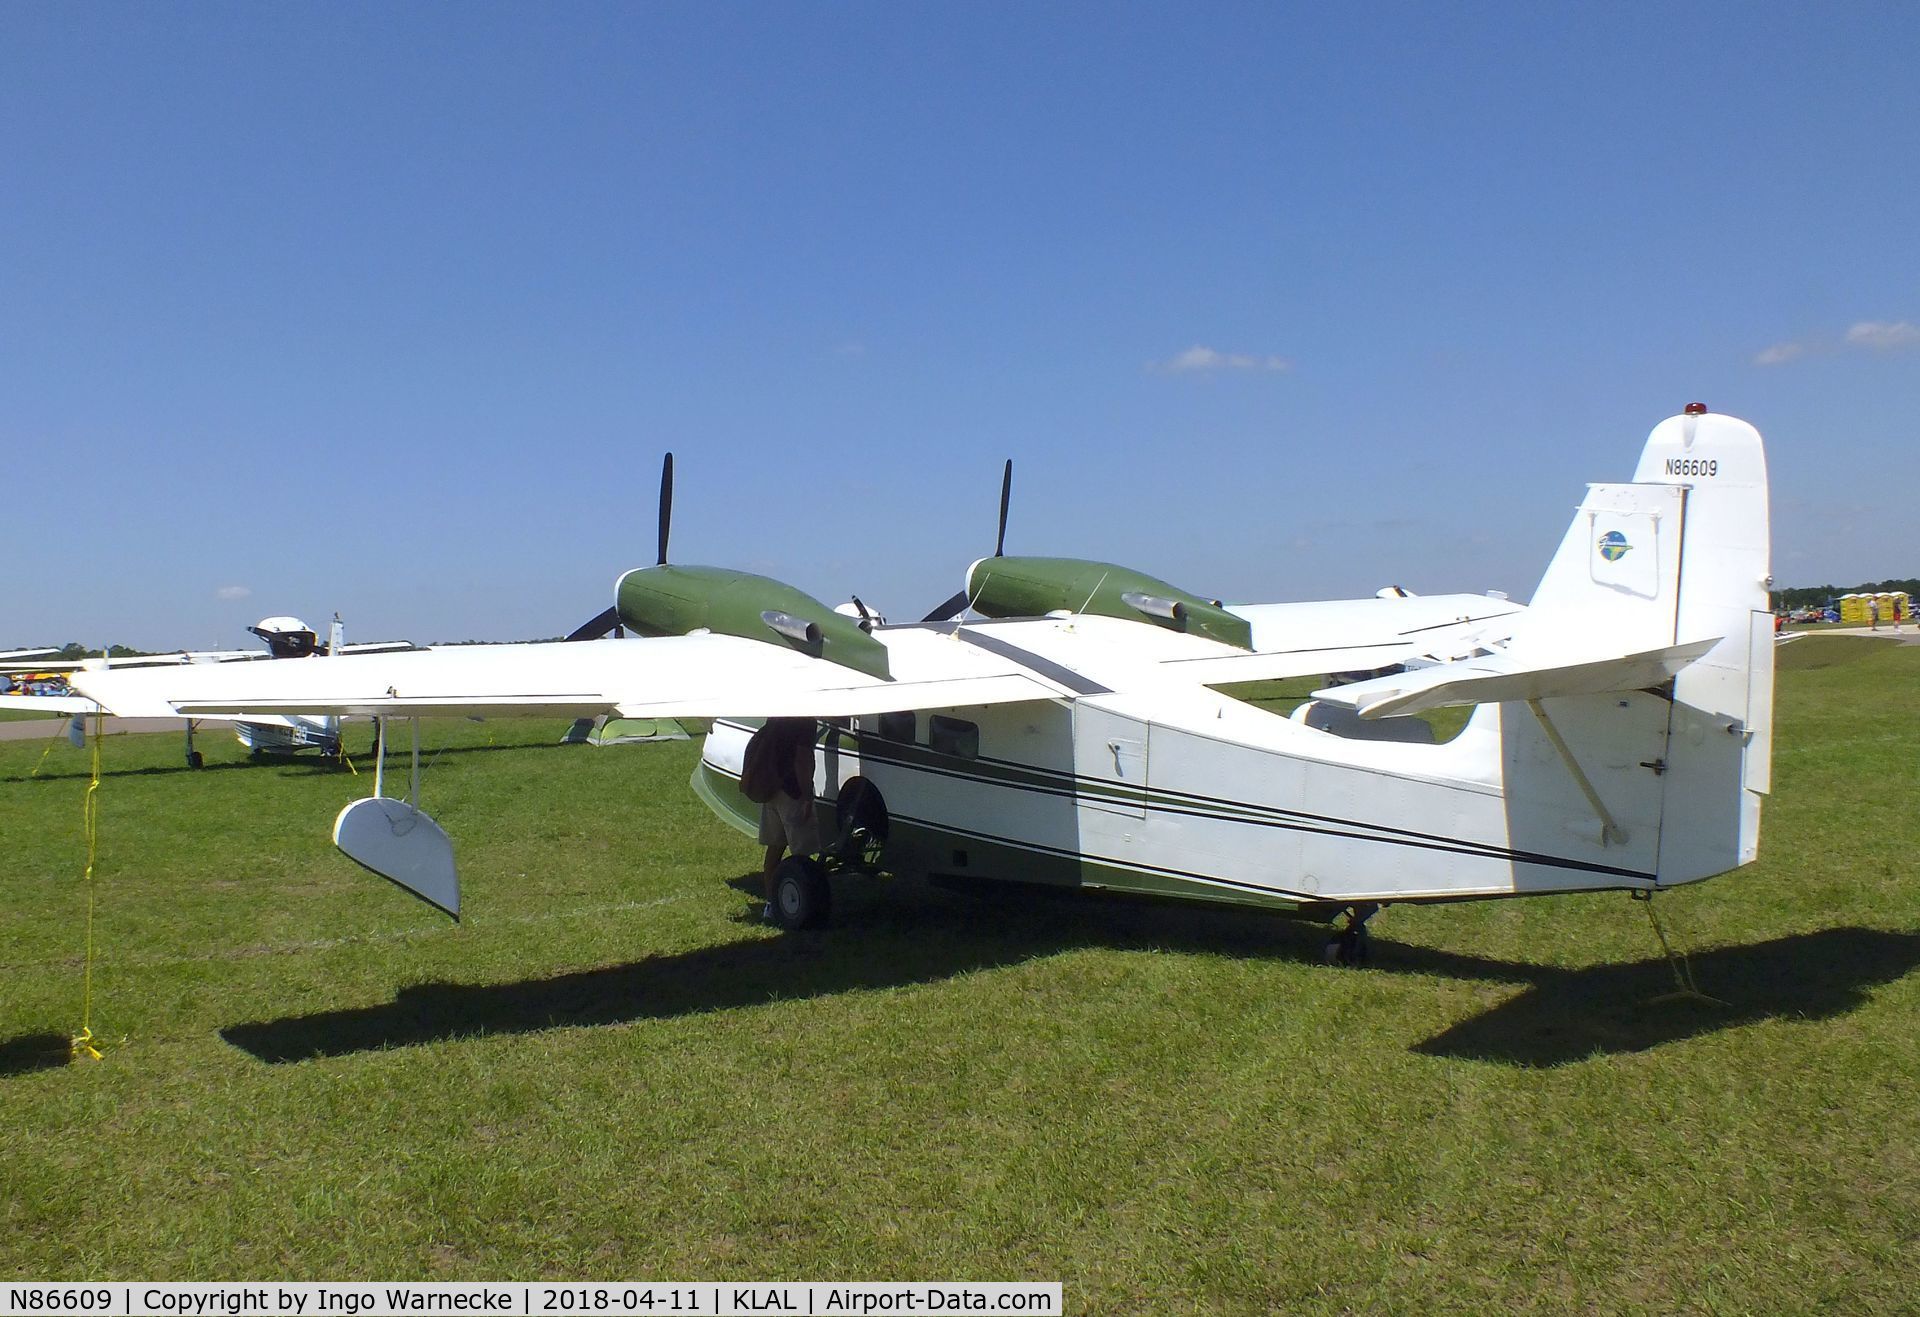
(1499, 677)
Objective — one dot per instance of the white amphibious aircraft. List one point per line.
(1619, 739)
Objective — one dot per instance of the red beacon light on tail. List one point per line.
(1696, 409)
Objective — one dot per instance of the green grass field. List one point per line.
(608, 1072)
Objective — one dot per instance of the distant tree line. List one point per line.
(73, 651)
(543, 640)
(1810, 595)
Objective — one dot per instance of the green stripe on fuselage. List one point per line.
(923, 848)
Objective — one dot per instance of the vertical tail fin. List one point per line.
(1683, 554)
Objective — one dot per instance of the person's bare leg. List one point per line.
(773, 862)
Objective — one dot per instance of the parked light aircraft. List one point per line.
(1072, 734)
(262, 733)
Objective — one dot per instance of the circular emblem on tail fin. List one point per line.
(1614, 546)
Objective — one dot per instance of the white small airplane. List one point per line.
(263, 734)
(1620, 732)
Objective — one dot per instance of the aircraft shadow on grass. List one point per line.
(1573, 1015)
(1563, 1016)
(28, 1052)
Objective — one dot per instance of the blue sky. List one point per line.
(391, 310)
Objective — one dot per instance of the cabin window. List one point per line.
(902, 727)
(953, 736)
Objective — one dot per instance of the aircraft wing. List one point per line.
(692, 676)
(1305, 661)
(1392, 618)
(49, 703)
(1356, 635)
(138, 660)
(1496, 677)
(379, 647)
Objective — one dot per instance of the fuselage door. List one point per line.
(1110, 761)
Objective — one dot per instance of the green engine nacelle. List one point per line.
(670, 600)
(1032, 587)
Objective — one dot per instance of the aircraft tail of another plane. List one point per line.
(1679, 557)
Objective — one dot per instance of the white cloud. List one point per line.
(232, 592)
(1198, 358)
(1883, 335)
(1862, 335)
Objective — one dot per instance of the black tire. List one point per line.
(802, 897)
(1349, 948)
(860, 822)
(194, 759)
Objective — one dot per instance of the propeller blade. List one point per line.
(666, 505)
(598, 626)
(1006, 495)
(953, 607)
(949, 610)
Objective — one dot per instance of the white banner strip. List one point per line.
(703, 1298)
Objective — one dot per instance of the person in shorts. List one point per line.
(781, 757)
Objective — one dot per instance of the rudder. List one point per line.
(1720, 745)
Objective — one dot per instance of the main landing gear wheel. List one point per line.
(195, 759)
(1351, 945)
(860, 816)
(801, 895)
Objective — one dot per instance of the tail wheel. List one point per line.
(860, 816)
(801, 896)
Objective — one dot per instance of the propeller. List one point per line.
(1006, 496)
(952, 607)
(666, 506)
(597, 626)
(608, 620)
